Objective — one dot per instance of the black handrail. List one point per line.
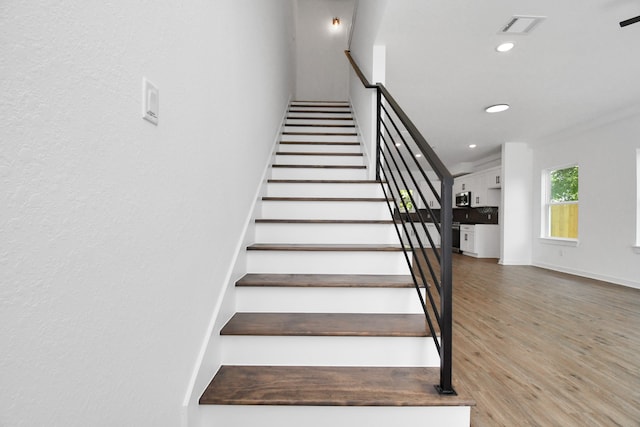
(399, 169)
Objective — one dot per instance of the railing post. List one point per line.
(378, 130)
(446, 298)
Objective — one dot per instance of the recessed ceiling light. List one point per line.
(398, 144)
(505, 47)
(472, 145)
(418, 155)
(497, 108)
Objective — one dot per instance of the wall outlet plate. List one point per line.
(150, 101)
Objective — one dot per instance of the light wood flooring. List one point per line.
(535, 347)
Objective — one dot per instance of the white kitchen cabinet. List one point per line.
(480, 240)
(493, 177)
(482, 187)
(422, 235)
(467, 239)
(431, 199)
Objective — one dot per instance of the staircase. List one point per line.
(328, 329)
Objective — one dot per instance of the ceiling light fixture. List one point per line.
(472, 145)
(505, 47)
(418, 155)
(497, 108)
(335, 22)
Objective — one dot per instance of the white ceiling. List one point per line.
(442, 67)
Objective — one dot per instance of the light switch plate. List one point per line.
(150, 101)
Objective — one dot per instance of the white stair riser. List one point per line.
(308, 114)
(255, 299)
(329, 351)
(324, 210)
(320, 122)
(324, 190)
(326, 233)
(319, 148)
(317, 173)
(320, 138)
(334, 416)
(318, 109)
(282, 159)
(307, 262)
(320, 129)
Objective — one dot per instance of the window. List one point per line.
(562, 203)
(406, 203)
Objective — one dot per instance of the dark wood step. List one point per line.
(320, 166)
(309, 153)
(327, 325)
(320, 112)
(323, 247)
(326, 199)
(319, 143)
(321, 133)
(326, 280)
(323, 221)
(323, 181)
(328, 386)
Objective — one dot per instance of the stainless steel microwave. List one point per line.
(463, 199)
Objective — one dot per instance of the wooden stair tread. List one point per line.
(319, 111)
(328, 386)
(321, 133)
(327, 280)
(322, 221)
(323, 247)
(325, 199)
(327, 324)
(320, 125)
(314, 153)
(321, 166)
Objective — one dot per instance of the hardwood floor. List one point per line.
(540, 348)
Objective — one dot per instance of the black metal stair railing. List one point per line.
(403, 158)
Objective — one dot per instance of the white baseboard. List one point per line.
(590, 275)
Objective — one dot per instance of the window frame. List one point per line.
(545, 232)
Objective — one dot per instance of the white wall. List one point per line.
(368, 56)
(606, 155)
(322, 67)
(516, 205)
(116, 235)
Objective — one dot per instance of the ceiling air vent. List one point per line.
(521, 24)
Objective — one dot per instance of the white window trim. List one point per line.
(560, 241)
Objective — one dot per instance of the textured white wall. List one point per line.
(605, 151)
(116, 235)
(322, 68)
